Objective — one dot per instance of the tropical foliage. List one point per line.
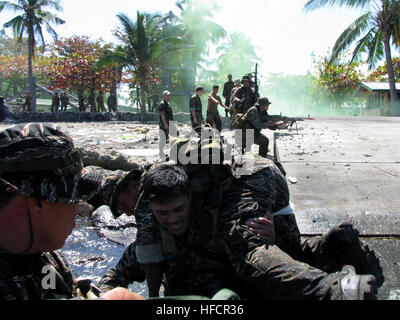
(374, 32)
(33, 17)
(75, 65)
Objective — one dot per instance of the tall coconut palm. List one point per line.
(374, 32)
(237, 53)
(33, 16)
(197, 29)
(141, 48)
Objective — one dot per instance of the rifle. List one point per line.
(288, 123)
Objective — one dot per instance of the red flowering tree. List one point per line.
(76, 65)
(14, 70)
(381, 73)
(337, 82)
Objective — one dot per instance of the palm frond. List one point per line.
(6, 5)
(352, 33)
(312, 5)
(376, 50)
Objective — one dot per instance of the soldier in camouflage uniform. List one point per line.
(245, 97)
(166, 114)
(112, 103)
(55, 103)
(81, 102)
(196, 110)
(92, 102)
(64, 102)
(100, 102)
(265, 179)
(41, 193)
(216, 249)
(257, 119)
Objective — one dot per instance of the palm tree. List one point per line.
(33, 16)
(141, 49)
(196, 27)
(237, 53)
(374, 32)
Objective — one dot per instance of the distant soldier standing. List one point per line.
(228, 87)
(55, 104)
(64, 102)
(92, 102)
(28, 103)
(100, 103)
(112, 102)
(196, 110)
(2, 110)
(213, 117)
(245, 97)
(234, 89)
(81, 102)
(166, 113)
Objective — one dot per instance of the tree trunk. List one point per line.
(392, 82)
(32, 86)
(114, 86)
(143, 98)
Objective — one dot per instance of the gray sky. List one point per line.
(284, 36)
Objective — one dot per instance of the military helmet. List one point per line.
(208, 156)
(114, 184)
(41, 162)
(263, 102)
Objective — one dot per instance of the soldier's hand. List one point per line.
(264, 228)
(121, 294)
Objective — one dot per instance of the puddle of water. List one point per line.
(92, 256)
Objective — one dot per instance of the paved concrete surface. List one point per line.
(348, 169)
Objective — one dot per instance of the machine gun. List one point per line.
(286, 122)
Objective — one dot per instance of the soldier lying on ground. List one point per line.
(40, 196)
(320, 251)
(208, 248)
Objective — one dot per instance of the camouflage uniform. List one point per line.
(108, 185)
(39, 162)
(55, 104)
(21, 277)
(197, 106)
(28, 103)
(82, 104)
(257, 120)
(227, 94)
(200, 264)
(112, 103)
(3, 112)
(92, 103)
(165, 109)
(248, 96)
(64, 103)
(100, 103)
(213, 117)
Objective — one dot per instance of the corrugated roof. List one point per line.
(378, 86)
